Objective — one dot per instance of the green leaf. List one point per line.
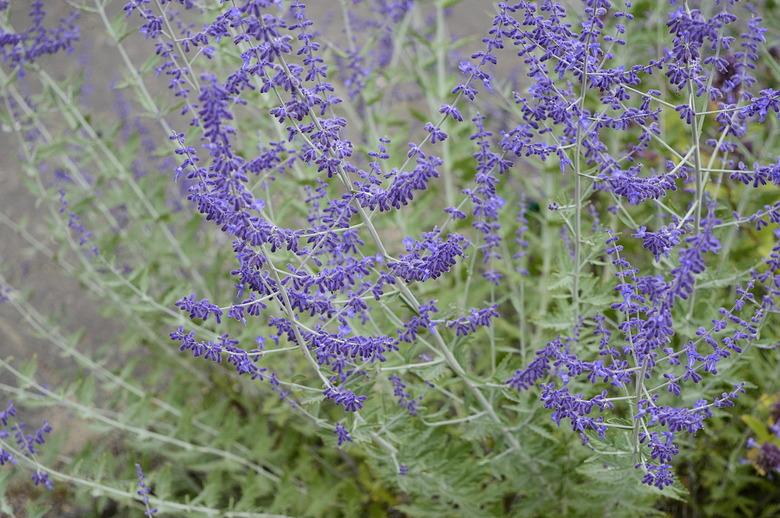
(758, 428)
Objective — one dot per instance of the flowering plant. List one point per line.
(564, 233)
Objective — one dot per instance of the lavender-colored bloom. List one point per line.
(7, 414)
(466, 325)
(485, 199)
(41, 478)
(676, 419)
(662, 447)
(536, 370)
(429, 258)
(637, 189)
(6, 457)
(342, 434)
(658, 475)
(451, 111)
(455, 213)
(520, 236)
(345, 398)
(575, 408)
(37, 40)
(659, 243)
(420, 321)
(28, 443)
(436, 133)
(404, 183)
(331, 349)
(692, 257)
(405, 399)
(144, 491)
(78, 230)
(199, 308)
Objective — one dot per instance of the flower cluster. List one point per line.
(477, 318)
(647, 331)
(28, 443)
(644, 352)
(23, 48)
(405, 399)
(281, 59)
(429, 258)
